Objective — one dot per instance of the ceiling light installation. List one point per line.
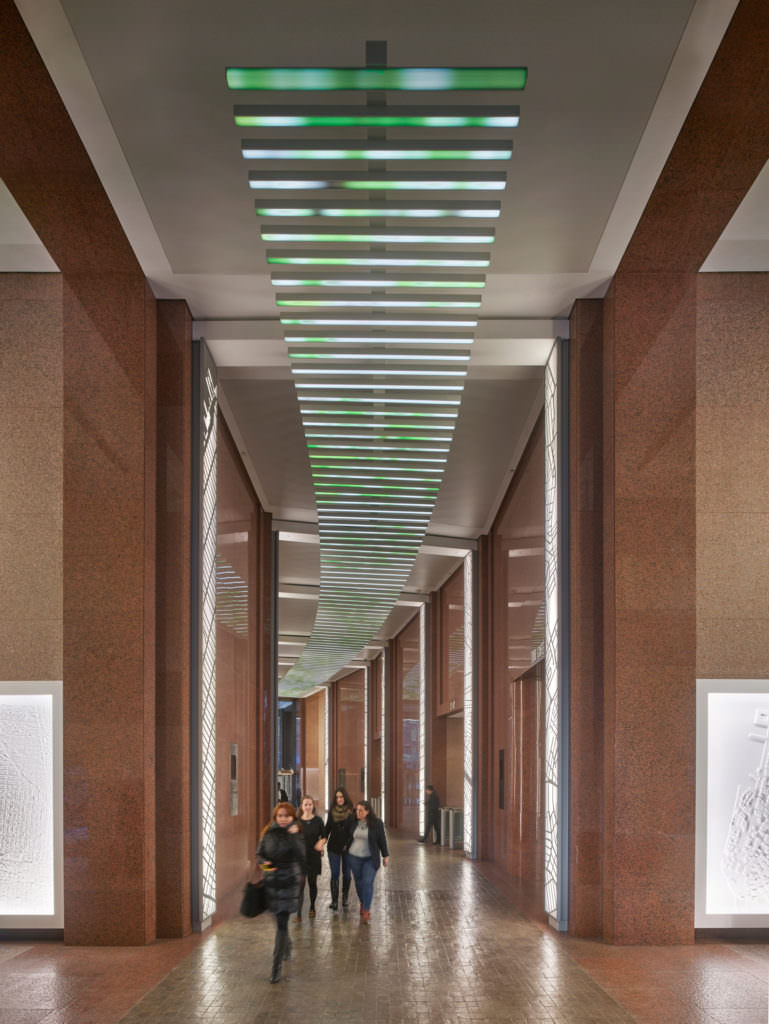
(379, 383)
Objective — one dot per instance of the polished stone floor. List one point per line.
(443, 945)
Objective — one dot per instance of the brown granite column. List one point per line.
(649, 493)
(109, 376)
(174, 493)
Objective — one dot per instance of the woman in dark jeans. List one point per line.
(281, 854)
(367, 849)
(339, 828)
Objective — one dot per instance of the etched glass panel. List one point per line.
(26, 805)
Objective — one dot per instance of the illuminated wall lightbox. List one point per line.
(732, 834)
(31, 872)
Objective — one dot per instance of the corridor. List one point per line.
(444, 945)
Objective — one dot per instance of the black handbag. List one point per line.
(254, 900)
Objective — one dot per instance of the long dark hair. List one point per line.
(347, 801)
(371, 818)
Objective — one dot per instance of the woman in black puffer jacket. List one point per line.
(282, 856)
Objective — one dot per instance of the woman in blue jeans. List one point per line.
(367, 849)
(338, 832)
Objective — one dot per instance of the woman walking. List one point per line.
(368, 846)
(281, 854)
(312, 833)
(340, 824)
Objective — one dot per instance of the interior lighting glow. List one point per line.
(388, 303)
(377, 437)
(377, 282)
(383, 412)
(383, 209)
(375, 448)
(377, 339)
(397, 236)
(375, 399)
(336, 321)
(415, 357)
(375, 476)
(382, 182)
(395, 79)
(346, 149)
(314, 386)
(383, 259)
(375, 117)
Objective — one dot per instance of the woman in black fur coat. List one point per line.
(282, 856)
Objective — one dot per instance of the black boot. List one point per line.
(277, 957)
(334, 904)
(287, 948)
(345, 892)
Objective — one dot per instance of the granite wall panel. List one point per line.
(732, 475)
(31, 476)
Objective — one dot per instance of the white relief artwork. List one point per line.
(26, 805)
(738, 804)
(745, 861)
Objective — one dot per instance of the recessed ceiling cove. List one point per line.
(373, 275)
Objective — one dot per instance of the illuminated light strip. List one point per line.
(380, 281)
(383, 412)
(384, 236)
(469, 710)
(397, 302)
(312, 386)
(377, 339)
(330, 321)
(378, 448)
(375, 117)
(413, 209)
(378, 437)
(384, 259)
(422, 714)
(375, 371)
(412, 79)
(278, 149)
(376, 474)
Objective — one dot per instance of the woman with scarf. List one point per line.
(340, 824)
(282, 856)
(368, 849)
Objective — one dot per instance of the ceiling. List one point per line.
(609, 85)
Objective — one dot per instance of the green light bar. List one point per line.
(409, 236)
(386, 357)
(394, 79)
(315, 258)
(467, 210)
(380, 340)
(394, 302)
(373, 322)
(379, 281)
(376, 117)
(384, 149)
(381, 181)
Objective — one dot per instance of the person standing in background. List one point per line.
(432, 815)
